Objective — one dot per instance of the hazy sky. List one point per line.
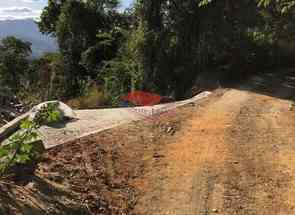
(21, 9)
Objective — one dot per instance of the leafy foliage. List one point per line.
(13, 61)
(47, 75)
(283, 5)
(88, 33)
(124, 73)
(185, 38)
(21, 148)
(47, 114)
(158, 46)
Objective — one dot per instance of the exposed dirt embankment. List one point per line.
(99, 174)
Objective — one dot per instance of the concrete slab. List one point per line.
(94, 121)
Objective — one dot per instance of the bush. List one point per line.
(21, 147)
(48, 114)
(120, 78)
(93, 98)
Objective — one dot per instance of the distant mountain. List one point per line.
(27, 30)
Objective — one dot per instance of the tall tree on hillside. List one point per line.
(87, 33)
(14, 64)
(47, 75)
(180, 36)
(283, 5)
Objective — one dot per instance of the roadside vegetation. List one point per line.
(164, 47)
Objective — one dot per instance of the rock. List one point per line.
(12, 115)
(156, 155)
(291, 106)
(31, 185)
(18, 105)
(169, 129)
(65, 110)
(214, 210)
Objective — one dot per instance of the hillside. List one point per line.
(27, 30)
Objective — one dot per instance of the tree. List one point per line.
(183, 40)
(88, 33)
(47, 75)
(14, 63)
(163, 45)
(283, 5)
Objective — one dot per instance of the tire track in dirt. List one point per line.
(203, 187)
(252, 179)
(228, 159)
(177, 188)
(258, 177)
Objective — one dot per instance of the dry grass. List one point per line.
(94, 98)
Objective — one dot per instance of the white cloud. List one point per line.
(29, 1)
(21, 9)
(16, 10)
(19, 13)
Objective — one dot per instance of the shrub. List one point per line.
(93, 98)
(48, 114)
(20, 147)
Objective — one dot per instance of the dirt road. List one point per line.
(234, 156)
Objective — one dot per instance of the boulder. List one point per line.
(65, 110)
